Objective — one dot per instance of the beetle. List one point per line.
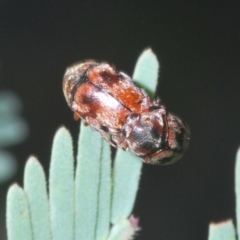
(124, 115)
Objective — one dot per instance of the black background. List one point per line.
(197, 43)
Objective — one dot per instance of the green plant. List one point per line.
(13, 129)
(93, 202)
(225, 230)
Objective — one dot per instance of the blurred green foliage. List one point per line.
(13, 130)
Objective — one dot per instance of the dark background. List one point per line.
(197, 43)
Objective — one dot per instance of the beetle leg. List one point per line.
(76, 116)
(156, 102)
(161, 158)
(157, 105)
(106, 137)
(85, 123)
(123, 144)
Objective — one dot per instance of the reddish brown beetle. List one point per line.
(110, 102)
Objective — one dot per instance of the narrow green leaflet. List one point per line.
(61, 186)
(18, 218)
(104, 197)
(146, 71)
(13, 129)
(237, 190)
(35, 188)
(127, 167)
(87, 183)
(222, 231)
(225, 230)
(126, 176)
(124, 230)
(9, 103)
